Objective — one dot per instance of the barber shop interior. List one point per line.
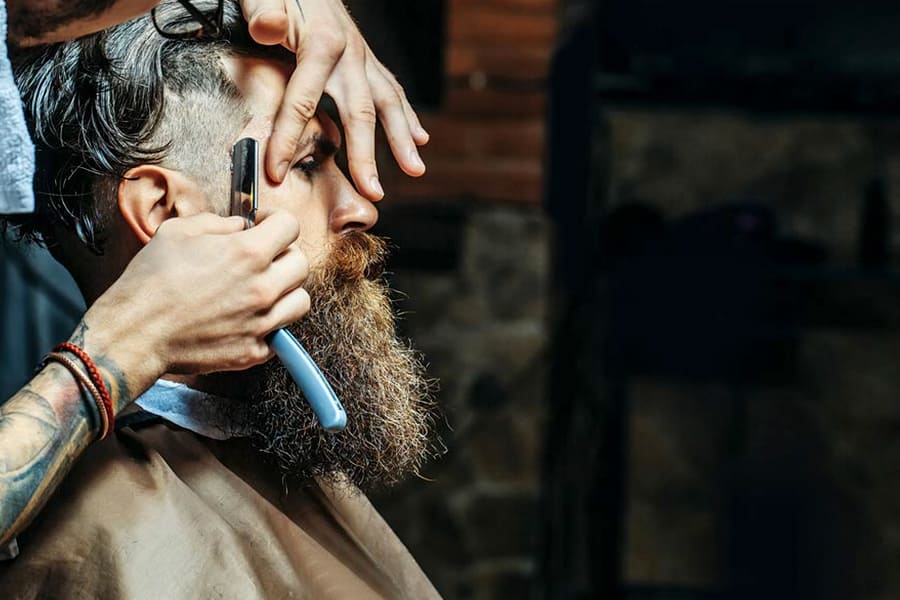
(652, 274)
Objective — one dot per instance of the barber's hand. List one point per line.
(200, 297)
(333, 57)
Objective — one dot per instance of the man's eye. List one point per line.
(307, 165)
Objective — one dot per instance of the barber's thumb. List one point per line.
(267, 20)
(208, 223)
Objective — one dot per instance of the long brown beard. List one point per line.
(380, 380)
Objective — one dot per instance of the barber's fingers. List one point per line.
(245, 354)
(420, 134)
(396, 122)
(299, 105)
(272, 235)
(267, 19)
(289, 270)
(318, 45)
(374, 67)
(319, 50)
(333, 57)
(280, 301)
(290, 308)
(349, 87)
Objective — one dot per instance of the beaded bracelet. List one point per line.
(94, 374)
(85, 381)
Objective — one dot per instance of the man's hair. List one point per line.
(105, 103)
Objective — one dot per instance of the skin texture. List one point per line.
(51, 417)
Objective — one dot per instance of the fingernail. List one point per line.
(416, 160)
(376, 185)
(282, 169)
(420, 132)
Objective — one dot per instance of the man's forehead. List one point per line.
(261, 83)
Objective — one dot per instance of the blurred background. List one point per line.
(654, 264)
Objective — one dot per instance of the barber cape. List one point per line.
(157, 511)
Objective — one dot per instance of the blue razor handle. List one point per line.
(316, 389)
(309, 378)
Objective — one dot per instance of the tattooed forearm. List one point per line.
(79, 334)
(32, 414)
(116, 383)
(114, 377)
(43, 429)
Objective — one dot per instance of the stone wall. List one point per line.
(471, 520)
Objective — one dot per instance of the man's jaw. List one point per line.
(379, 378)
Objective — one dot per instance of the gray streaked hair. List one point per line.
(105, 103)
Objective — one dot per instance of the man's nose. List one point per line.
(352, 211)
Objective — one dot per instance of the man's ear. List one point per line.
(150, 194)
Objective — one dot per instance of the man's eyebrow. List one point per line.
(324, 147)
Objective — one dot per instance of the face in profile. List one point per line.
(349, 331)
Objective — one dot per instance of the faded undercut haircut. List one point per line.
(108, 102)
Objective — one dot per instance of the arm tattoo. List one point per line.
(80, 332)
(112, 375)
(43, 429)
(115, 381)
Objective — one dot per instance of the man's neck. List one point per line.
(204, 412)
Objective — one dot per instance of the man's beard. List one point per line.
(379, 379)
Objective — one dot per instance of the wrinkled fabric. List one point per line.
(16, 148)
(164, 513)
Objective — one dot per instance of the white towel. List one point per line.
(16, 149)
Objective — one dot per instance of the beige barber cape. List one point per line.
(164, 514)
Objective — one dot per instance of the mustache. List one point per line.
(353, 257)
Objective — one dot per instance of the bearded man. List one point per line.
(222, 485)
